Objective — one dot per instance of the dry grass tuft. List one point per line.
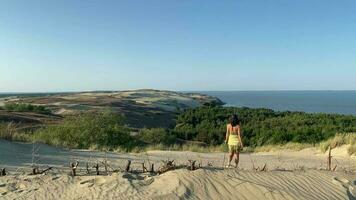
(339, 140)
(288, 146)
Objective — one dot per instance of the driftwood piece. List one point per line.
(127, 169)
(96, 168)
(73, 167)
(3, 172)
(45, 170)
(168, 165)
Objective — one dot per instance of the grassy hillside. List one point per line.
(141, 108)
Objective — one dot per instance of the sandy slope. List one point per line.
(184, 184)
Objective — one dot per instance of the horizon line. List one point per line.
(279, 90)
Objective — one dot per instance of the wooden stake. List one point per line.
(152, 169)
(334, 168)
(106, 168)
(128, 166)
(74, 168)
(3, 172)
(143, 168)
(192, 164)
(264, 167)
(97, 168)
(87, 167)
(329, 159)
(34, 170)
(106, 163)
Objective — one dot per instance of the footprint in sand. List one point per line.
(340, 181)
(100, 181)
(3, 192)
(12, 187)
(56, 178)
(146, 182)
(133, 177)
(350, 187)
(87, 183)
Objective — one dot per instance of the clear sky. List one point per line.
(73, 45)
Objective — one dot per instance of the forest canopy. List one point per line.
(261, 126)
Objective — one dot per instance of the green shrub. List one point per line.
(22, 107)
(103, 129)
(156, 136)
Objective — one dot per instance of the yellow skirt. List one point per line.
(233, 140)
(234, 143)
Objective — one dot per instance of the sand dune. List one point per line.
(184, 184)
(289, 175)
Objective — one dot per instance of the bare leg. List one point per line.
(237, 158)
(231, 156)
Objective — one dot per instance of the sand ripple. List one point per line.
(183, 184)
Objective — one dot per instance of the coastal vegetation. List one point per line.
(25, 107)
(199, 129)
(102, 130)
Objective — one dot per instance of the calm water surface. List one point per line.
(341, 102)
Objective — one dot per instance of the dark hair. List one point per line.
(234, 120)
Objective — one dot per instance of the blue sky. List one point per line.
(69, 45)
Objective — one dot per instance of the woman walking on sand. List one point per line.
(234, 139)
